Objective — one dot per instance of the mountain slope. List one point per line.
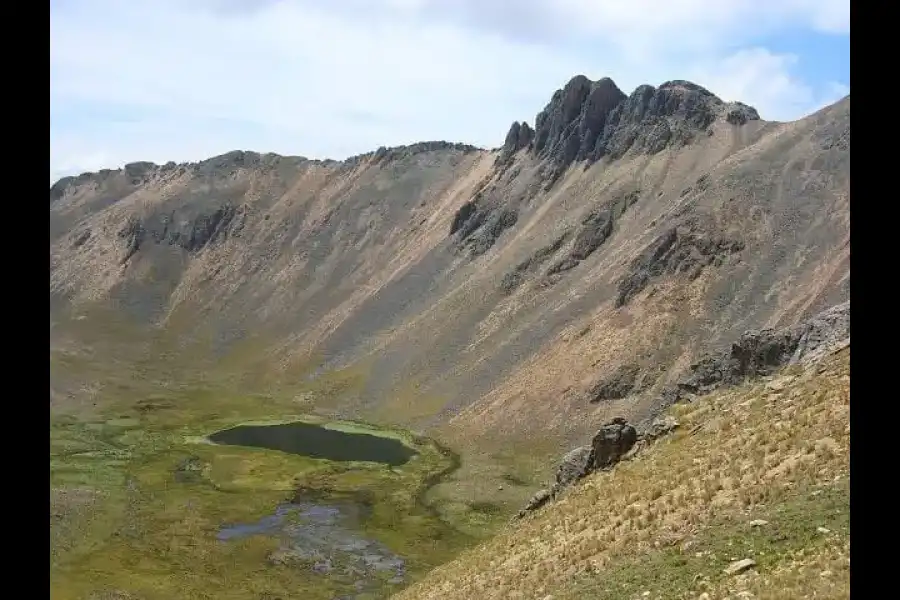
(758, 472)
(482, 294)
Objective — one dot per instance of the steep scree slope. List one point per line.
(478, 291)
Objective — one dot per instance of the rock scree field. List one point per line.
(609, 359)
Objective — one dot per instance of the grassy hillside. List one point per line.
(758, 472)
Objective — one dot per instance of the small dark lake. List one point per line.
(315, 441)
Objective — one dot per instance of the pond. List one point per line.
(323, 539)
(316, 441)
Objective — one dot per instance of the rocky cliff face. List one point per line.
(589, 120)
(571, 276)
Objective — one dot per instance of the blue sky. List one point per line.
(183, 81)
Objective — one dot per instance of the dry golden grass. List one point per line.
(818, 573)
(741, 453)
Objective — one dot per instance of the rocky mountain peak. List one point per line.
(588, 120)
(519, 137)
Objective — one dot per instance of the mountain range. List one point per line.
(543, 286)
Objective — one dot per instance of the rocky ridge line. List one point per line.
(588, 120)
(137, 173)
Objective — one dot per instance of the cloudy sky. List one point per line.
(185, 80)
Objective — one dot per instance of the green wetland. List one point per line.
(164, 502)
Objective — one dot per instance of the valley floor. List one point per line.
(139, 501)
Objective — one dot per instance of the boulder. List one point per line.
(573, 466)
(611, 443)
(659, 427)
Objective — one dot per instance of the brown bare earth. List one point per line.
(504, 302)
(352, 264)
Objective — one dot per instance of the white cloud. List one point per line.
(763, 79)
(835, 91)
(183, 81)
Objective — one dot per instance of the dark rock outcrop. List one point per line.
(762, 352)
(588, 120)
(738, 113)
(463, 215)
(594, 230)
(611, 443)
(573, 466)
(189, 470)
(519, 137)
(477, 227)
(203, 230)
(133, 234)
(675, 252)
(58, 189)
(821, 334)
(576, 117)
(228, 162)
(674, 114)
(384, 154)
(757, 353)
(618, 385)
(191, 234)
(571, 124)
(493, 225)
(515, 277)
(563, 110)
